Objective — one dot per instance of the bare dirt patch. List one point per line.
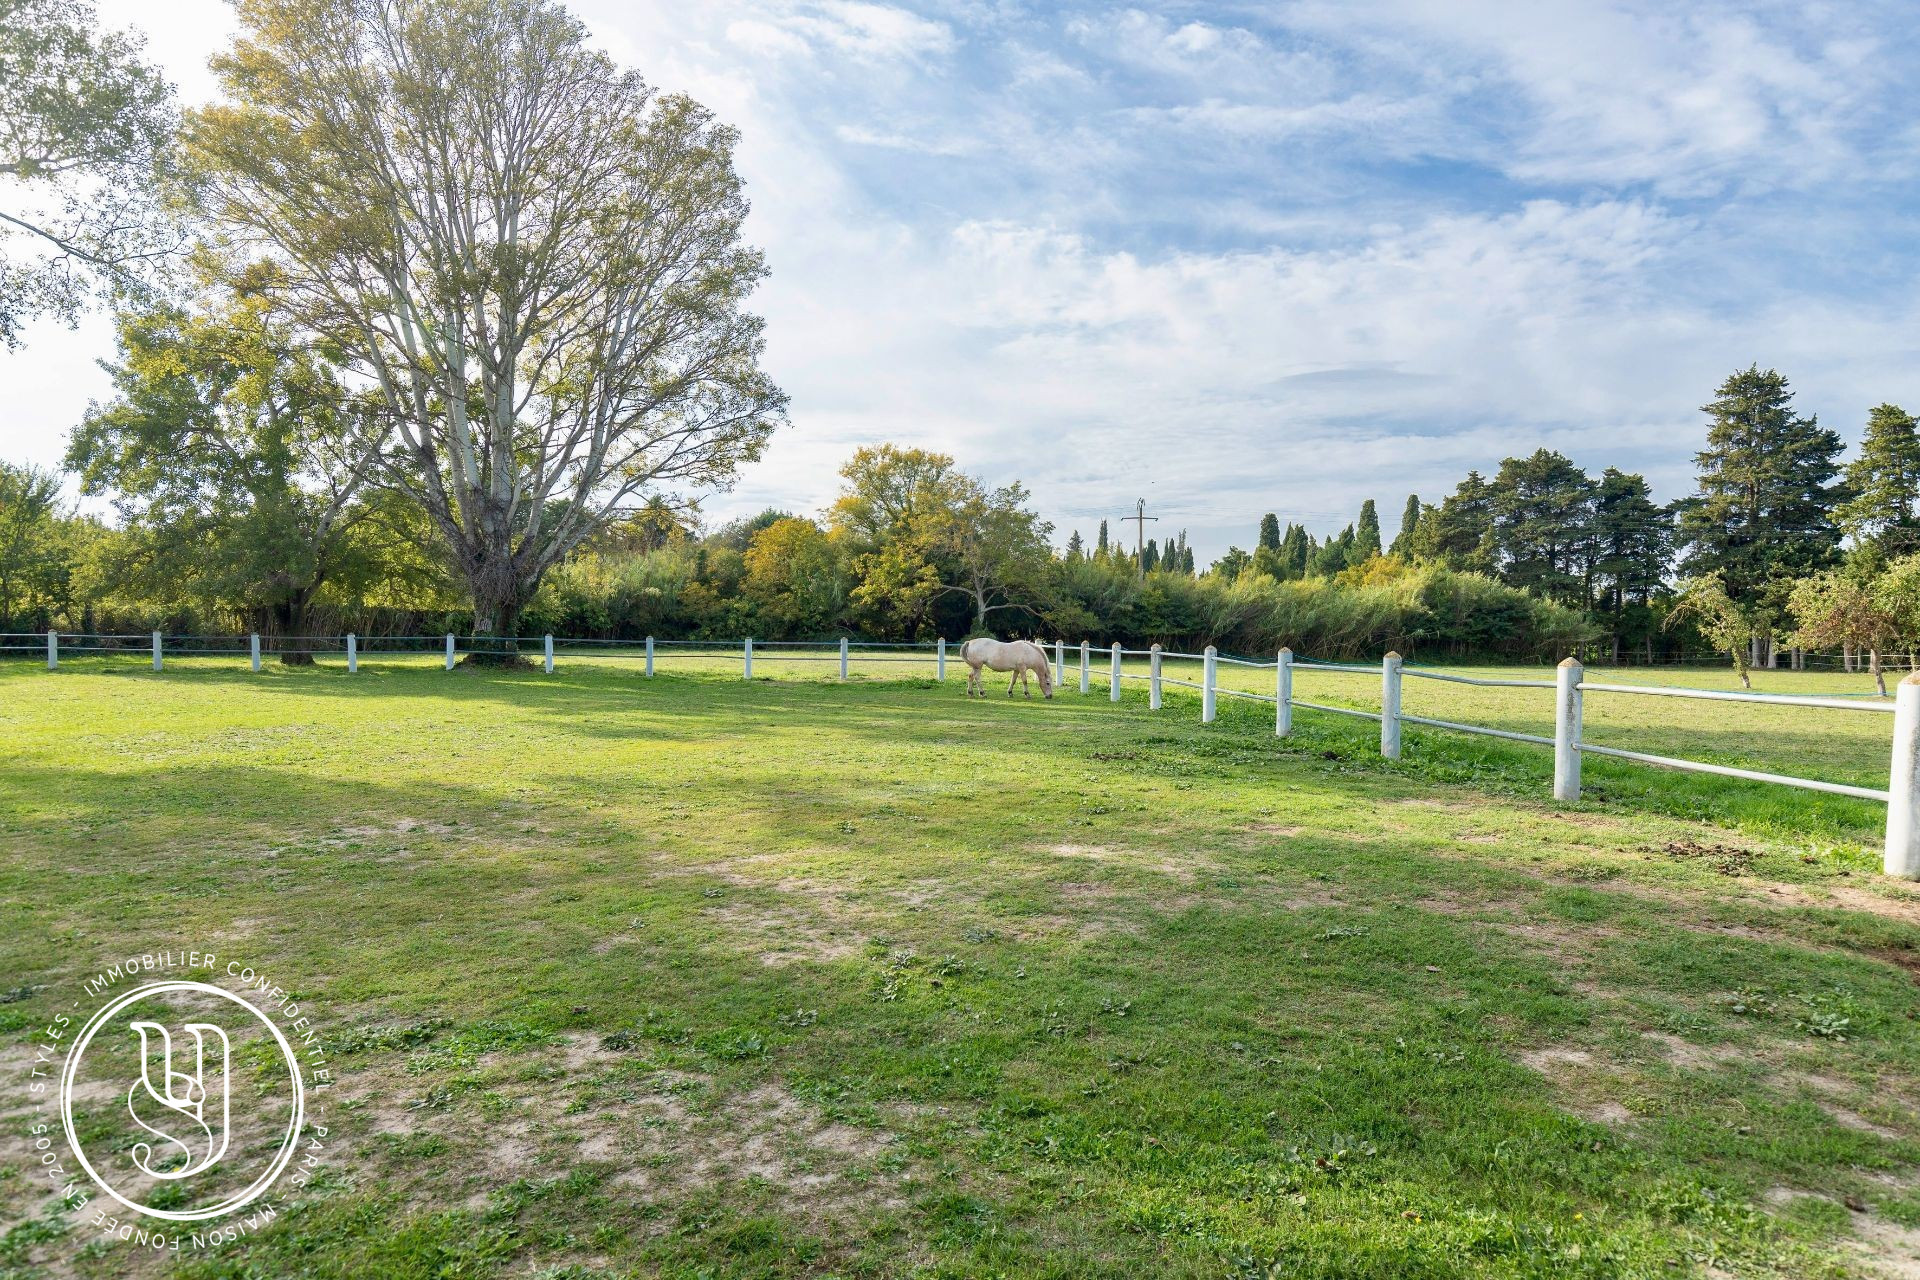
(1694, 1057)
(783, 935)
(1181, 868)
(821, 1166)
(1611, 1114)
(1548, 1059)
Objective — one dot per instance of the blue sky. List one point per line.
(1239, 258)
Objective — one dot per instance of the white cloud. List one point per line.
(876, 32)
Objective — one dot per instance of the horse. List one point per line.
(1022, 657)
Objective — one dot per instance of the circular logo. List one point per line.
(182, 1100)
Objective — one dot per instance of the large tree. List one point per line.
(237, 463)
(1542, 509)
(84, 127)
(534, 257)
(923, 530)
(1458, 533)
(1763, 514)
(32, 550)
(1882, 510)
(1632, 548)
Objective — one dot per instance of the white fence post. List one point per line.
(353, 653)
(843, 657)
(1113, 677)
(1153, 678)
(746, 663)
(156, 651)
(449, 650)
(548, 646)
(1059, 664)
(253, 648)
(940, 658)
(53, 650)
(1566, 730)
(1208, 670)
(1390, 706)
(649, 657)
(1903, 792)
(1283, 694)
(1086, 652)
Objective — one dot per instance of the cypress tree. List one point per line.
(1366, 537)
(1150, 559)
(1269, 532)
(1296, 550)
(1883, 484)
(1409, 521)
(1100, 548)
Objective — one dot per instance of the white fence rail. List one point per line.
(1902, 797)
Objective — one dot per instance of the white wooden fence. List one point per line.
(1570, 687)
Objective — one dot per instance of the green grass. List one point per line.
(707, 977)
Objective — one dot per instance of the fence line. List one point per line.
(1902, 796)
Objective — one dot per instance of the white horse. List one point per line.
(1022, 657)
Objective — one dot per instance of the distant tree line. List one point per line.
(1780, 548)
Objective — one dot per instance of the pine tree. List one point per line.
(1882, 512)
(1366, 537)
(1542, 509)
(1458, 533)
(1075, 548)
(1269, 532)
(1764, 511)
(1101, 548)
(1409, 521)
(1633, 544)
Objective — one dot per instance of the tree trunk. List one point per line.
(290, 621)
(1879, 676)
(1846, 657)
(496, 619)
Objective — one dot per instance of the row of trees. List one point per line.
(1775, 518)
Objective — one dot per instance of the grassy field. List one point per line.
(708, 977)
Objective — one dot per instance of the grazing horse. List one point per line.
(1022, 657)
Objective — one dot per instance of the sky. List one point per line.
(1239, 258)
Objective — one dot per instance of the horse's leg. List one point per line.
(1013, 682)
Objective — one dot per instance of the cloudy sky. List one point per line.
(1282, 256)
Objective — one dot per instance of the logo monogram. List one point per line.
(190, 1144)
(181, 1099)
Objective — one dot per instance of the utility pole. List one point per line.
(1139, 519)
